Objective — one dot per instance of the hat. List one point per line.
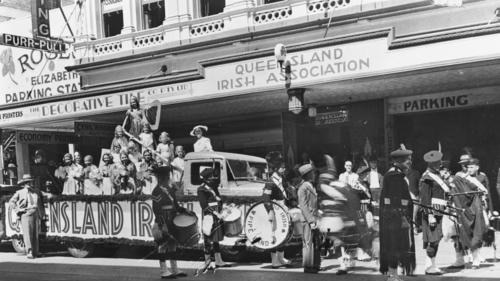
(274, 159)
(26, 178)
(445, 165)
(205, 128)
(207, 173)
(304, 169)
(433, 156)
(473, 161)
(464, 159)
(401, 152)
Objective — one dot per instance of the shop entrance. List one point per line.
(347, 132)
(473, 128)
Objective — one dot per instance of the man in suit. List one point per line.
(28, 203)
(308, 204)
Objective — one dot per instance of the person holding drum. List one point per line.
(397, 243)
(165, 208)
(308, 204)
(212, 224)
(274, 191)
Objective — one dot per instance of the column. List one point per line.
(177, 11)
(232, 5)
(92, 22)
(22, 159)
(132, 10)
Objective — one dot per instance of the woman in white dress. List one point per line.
(92, 177)
(202, 143)
(107, 169)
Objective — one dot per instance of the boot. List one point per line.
(219, 262)
(432, 269)
(361, 255)
(164, 272)
(175, 269)
(275, 261)
(207, 266)
(282, 259)
(459, 261)
(393, 275)
(476, 259)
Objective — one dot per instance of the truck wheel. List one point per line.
(18, 245)
(80, 250)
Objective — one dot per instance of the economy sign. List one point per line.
(52, 46)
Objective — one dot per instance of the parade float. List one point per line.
(82, 222)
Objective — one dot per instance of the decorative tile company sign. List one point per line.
(94, 105)
(444, 101)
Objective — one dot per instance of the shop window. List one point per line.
(113, 23)
(196, 169)
(153, 14)
(212, 7)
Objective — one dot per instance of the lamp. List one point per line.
(296, 100)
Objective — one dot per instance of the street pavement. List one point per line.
(58, 265)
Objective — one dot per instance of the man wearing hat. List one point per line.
(481, 182)
(464, 160)
(433, 190)
(397, 245)
(308, 204)
(28, 203)
(275, 191)
(202, 143)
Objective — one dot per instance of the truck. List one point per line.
(83, 221)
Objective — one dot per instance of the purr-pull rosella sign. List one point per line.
(33, 74)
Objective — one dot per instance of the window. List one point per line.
(212, 7)
(244, 170)
(113, 23)
(271, 1)
(153, 14)
(196, 169)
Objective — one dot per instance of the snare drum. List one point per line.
(186, 229)
(259, 230)
(232, 221)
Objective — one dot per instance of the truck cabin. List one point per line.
(240, 175)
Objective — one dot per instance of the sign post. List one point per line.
(52, 46)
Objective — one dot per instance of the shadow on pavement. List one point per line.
(38, 270)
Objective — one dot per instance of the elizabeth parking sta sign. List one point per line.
(32, 43)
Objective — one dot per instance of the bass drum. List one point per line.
(262, 233)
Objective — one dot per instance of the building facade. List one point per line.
(359, 77)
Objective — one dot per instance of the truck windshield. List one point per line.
(242, 170)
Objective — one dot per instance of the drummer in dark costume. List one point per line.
(433, 192)
(213, 230)
(397, 246)
(275, 191)
(165, 208)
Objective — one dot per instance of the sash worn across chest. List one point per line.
(438, 180)
(477, 183)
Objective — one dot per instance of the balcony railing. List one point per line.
(260, 18)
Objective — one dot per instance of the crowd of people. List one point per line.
(125, 169)
(345, 211)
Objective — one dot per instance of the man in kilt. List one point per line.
(397, 245)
